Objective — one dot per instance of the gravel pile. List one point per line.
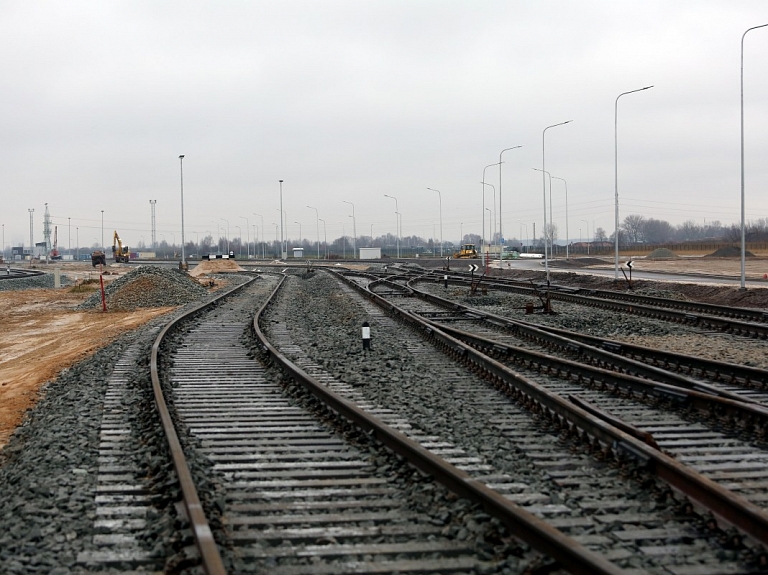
(148, 286)
(729, 252)
(662, 254)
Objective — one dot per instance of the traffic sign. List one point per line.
(473, 267)
(630, 263)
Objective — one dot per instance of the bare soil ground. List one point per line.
(42, 335)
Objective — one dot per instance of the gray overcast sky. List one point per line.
(351, 100)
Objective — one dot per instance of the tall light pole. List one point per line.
(492, 226)
(548, 233)
(283, 253)
(501, 234)
(325, 237)
(397, 222)
(544, 183)
(240, 239)
(224, 219)
(494, 195)
(567, 253)
(616, 173)
(103, 248)
(354, 229)
(181, 172)
(317, 221)
(281, 242)
(440, 199)
(247, 238)
(589, 239)
(263, 256)
(743, 232)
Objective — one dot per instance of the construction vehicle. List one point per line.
(119, 252)
(55, 255)
(98, 258)
(466, 251)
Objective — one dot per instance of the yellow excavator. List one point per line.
(119, 252)
(466, 251)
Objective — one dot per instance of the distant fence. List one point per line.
(602, 249)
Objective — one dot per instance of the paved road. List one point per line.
(636, 275)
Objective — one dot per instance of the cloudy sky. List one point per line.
(349, 100)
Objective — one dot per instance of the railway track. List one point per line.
(294, 499)
(273, 480)
(726, 379)
(740, 321)
(730, 463)
(463, 352)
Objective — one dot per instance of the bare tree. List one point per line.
(633, 226)
(600, 235)
(657, 231)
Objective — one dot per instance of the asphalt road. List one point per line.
(636, 275)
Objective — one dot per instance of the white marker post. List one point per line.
(366, 336)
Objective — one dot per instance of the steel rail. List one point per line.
(751, 376)
(209, 553)
(727, 505)
(691, 306)
(601, 350)
(755, 414)
(19, 274)
(704, 321)
(538, 533)
(754, 377)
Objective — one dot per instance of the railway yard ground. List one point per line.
(43, 332)
(291, 488)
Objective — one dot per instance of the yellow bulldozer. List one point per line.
(119, 252)
(466, 251)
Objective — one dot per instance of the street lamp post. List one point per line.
(354, 229)
(567, 241)
(103, 248)
(240, 239)
(282, 245)
(548, 233)
(317, 221)
(397, 222)
(616, 173)
(494, 195)
(263, 256)
(247, 238)
(325, 237)
(181, 172)
(743, 232)
(224, 219)
(501, 234)
(544, 183)
(440, 199)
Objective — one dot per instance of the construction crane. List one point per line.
(55, 255)
(119, 252)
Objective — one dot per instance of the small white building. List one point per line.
(370, 253)
(298, 252)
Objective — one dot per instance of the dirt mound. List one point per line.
(662, 254)
(729, 252)
(215, 266)
(148, 286)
